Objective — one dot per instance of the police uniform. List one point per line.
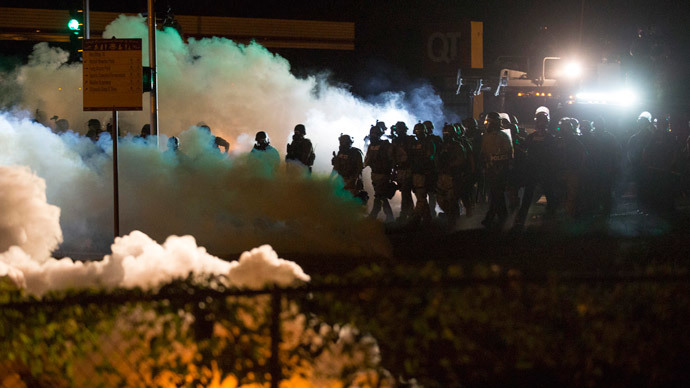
(402, 147)
(496, 152)
(379, 158)
(300, 150)
(348, 164)
(451, 163)
(423, 173)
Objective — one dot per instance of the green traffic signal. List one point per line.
(74, 25)
(147, 79)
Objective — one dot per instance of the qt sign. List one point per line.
(443, 47)
(452, 46)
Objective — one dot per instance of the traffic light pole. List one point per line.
(87, 34)
(116, 180)
(154, 70)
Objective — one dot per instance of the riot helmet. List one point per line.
(541, 120)
(145, 130)
(565, 126)
(94, 124)
(345, 141)
(61, 125)
(262, 139)
(544, 110)
(419, 130)
(400, 128)
(429, 126)
(449, 132)
(375, 132)
(472, 127)
(493, 121)
(173, 143)
(299, 128)
(381, 125)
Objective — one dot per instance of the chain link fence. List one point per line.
(378, 332)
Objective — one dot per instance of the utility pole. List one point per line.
(154, 69)
(87, 33)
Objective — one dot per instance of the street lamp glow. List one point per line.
(73, 25)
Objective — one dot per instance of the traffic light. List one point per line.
(147, 79)
(75, 26)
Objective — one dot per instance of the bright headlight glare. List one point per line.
(622, 97)
(627, 97)
(572, 70)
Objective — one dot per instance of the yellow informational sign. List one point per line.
(112, 78)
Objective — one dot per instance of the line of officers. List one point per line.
(574, 164)
(446, 170)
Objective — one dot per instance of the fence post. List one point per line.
(275, 338)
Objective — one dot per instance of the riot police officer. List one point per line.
(423, 155)
(379, 158)
(264, 151)
(452, 161)
(300, 151)
(658, 161)
(431, 183)
(402, 168)
(539, 148)
(496, 155)
(95, 129)
(571, 157)
(349, 165)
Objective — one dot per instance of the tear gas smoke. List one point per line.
(138, 261)
(236, 89)
(29, 230)
(27, 220)
(228, 204)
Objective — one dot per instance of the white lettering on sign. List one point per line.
(443, 46)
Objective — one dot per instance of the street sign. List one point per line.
(112, 74)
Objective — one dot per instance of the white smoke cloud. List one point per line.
(26, 219)
(29, 231)
(74, 170)
(9, 272)
(237, 90)
(261, 267)
(228, 204)
(138, 261)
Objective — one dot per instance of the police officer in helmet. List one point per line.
(300, 151)
(349, 165)
(496, 155)
(379, 158)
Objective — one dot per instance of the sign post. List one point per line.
(154, 69)
(112, 81)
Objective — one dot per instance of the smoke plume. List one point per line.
(29, 230)
(27, 220)
(235, 89)
(229, 203)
